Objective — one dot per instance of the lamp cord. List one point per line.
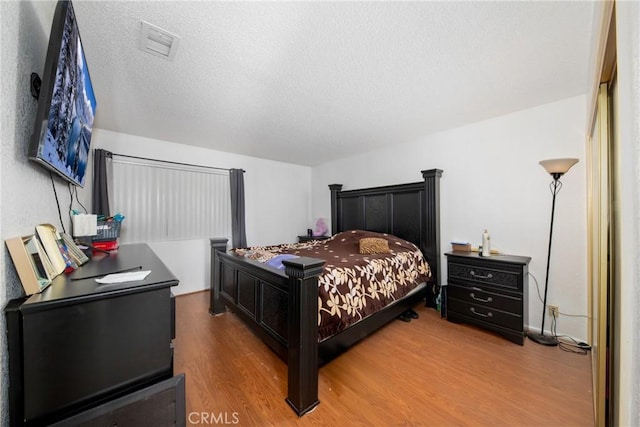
(73, 190)
(559, 312)
(53, 184)
(571, 346)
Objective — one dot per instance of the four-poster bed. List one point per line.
(281, 306)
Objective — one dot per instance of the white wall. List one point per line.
(26, 192)
(492, 180)
(277, 197)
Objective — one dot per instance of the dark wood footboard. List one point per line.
(280, 307)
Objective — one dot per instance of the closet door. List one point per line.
(602, 242)
(603, 221)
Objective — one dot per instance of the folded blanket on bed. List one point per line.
(276, 261)
(353, 285)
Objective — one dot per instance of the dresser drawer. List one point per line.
(485, 298)
(485, 314)
(498, 275)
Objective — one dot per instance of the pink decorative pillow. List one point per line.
(374, 245)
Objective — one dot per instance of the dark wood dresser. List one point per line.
(84, 353)
(489, 292)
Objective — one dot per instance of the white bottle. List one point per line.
(486, 243)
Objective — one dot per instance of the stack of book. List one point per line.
(108, 235)
(42, 256)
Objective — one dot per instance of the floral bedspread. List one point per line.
(352, 285)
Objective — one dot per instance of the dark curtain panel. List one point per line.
(100, 195)
(238, 232)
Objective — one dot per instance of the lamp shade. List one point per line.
(558, 166)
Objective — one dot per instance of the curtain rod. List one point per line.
(173, 163)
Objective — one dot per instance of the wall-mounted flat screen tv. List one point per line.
(67, 104)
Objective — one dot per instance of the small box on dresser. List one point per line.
(489, 292)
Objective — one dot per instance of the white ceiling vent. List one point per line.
(156, 41)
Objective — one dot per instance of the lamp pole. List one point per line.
(541, 338)
(555, 188)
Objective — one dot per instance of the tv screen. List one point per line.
(67, 104)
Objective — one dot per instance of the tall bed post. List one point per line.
(431, 242)
(335, 188)
(217, 245)
(302, 363)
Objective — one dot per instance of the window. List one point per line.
(164, 201)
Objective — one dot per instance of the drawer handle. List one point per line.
(472, 295)
(479, 276)
(473, 310)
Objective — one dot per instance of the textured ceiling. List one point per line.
(308, 82)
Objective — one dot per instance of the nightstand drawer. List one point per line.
(501, 276)
(484, 298)
(485, 314)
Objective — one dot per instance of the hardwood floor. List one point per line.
(429, 372)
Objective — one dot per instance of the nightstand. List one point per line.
(303, 239)
(489, 292)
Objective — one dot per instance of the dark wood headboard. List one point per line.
(409, 211)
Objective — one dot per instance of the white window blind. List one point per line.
(164, 201)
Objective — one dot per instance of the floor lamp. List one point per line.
(557, 168)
